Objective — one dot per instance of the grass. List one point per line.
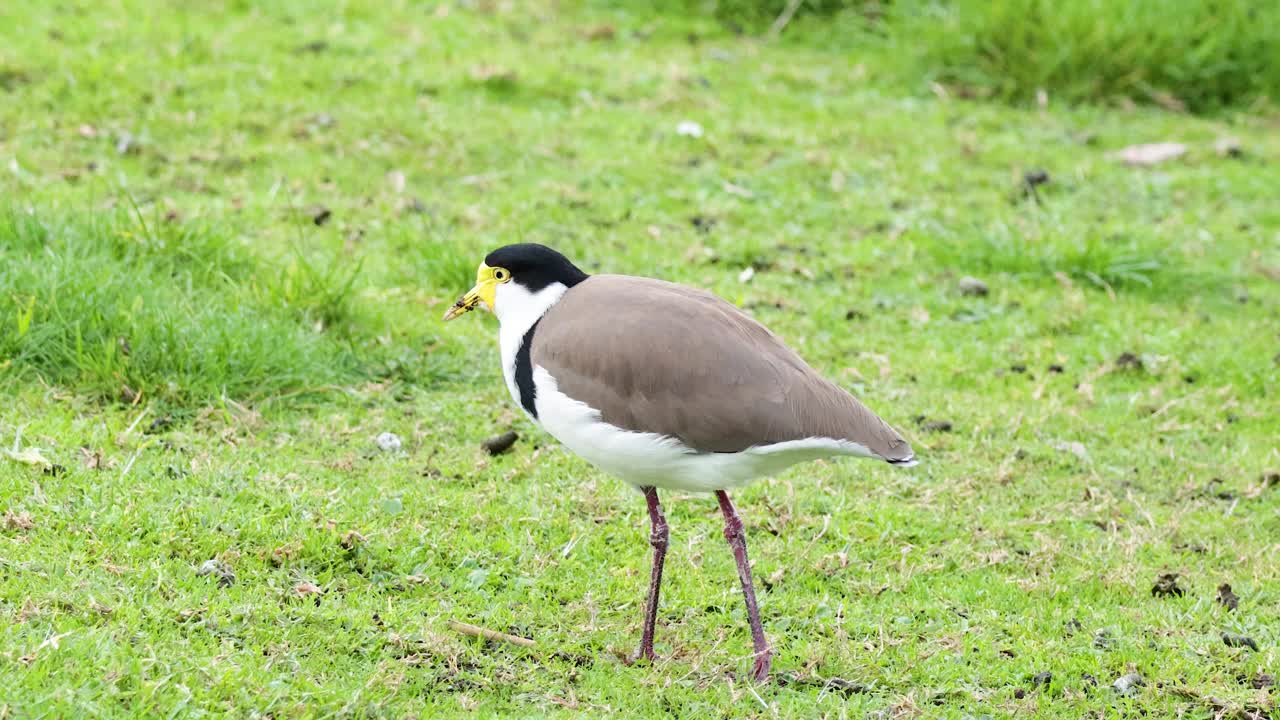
(1191, 54)
(118, 307)
(1111, 398)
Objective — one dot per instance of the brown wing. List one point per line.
(652, 356)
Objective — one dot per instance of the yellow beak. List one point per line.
(485, 289)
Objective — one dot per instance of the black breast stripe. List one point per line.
(524, 372)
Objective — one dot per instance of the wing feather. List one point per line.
(653, 356)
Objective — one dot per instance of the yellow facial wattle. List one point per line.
(485, 290)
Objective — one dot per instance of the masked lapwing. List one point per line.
(665, 387)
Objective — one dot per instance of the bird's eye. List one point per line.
(500, 275)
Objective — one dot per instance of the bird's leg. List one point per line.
(738, 542)
(658, 539)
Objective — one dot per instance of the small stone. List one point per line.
(1228, 147)
(1262, 681)
(127, 144)
(499, 444)
(1042, 678)
(1102, 640)
(747, 273)
(1128, 685)
(1167, 586)
(319, 214)
(973, 286)
(689, 128)
(1128, 361)
(1227, 598)
(219, 569)
(388, 442)
(1037, 176)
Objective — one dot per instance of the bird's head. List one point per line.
(520, 278)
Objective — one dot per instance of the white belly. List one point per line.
(649, 459)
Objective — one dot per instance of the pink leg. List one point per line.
(658, 539)
(738, 542)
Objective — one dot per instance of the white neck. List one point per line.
(517, 310)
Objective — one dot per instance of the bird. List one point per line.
(666, 387)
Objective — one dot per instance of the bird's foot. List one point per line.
(760, 670)
(644, 653)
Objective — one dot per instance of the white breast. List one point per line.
(517, 310)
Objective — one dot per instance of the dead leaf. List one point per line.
(351, 538)
(774, 578)
(396, 178)
(1075, 448)
(19, 521)
(305, 588)
(1151, 153)
(285, 553)
(601, 32)
(92, 459)
(1086, 389)
(28, 456)
(493, 74)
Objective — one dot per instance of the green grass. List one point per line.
(119, 307)
(1192, 54)
(274, 350)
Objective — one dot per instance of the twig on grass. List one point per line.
(487, 634)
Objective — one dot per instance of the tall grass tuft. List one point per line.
(1115, 257)
(116, 307)
(1199, 54)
